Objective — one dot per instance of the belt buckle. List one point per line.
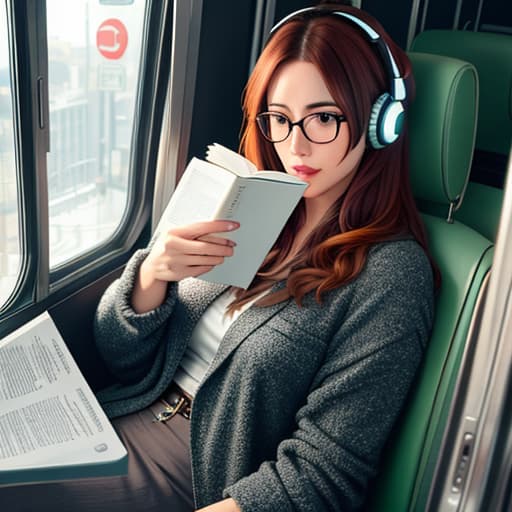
(170, 410)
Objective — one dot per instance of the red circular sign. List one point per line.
(112, 38)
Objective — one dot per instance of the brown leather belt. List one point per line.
(174, 401)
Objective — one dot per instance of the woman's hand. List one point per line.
(186, 251)
(228, 505)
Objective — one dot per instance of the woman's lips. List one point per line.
(304, 171)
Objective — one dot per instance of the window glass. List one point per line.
(93, 53)
(9, 222)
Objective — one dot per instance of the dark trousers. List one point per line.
(159, 475)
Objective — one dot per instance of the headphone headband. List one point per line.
(397, 84)
(387, 112)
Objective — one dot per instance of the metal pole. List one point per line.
(413, 21)
(478, 15)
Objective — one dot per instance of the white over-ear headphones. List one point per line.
(386, 118)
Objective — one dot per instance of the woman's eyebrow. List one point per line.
(310, 106)
(281, 105)
(322, 104)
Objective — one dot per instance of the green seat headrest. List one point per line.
(442, 124)
(491, 54)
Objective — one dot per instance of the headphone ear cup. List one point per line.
(386, 120)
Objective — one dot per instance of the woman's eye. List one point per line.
(280, 119)
(325, 117)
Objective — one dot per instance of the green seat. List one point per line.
(491, 54)
(442, 121)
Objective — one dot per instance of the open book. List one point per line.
(51, 425)
(228, 186)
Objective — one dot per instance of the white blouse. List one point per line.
(205, 341)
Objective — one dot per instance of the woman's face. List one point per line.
(296, 90)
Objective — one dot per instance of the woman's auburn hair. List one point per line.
(378, 204)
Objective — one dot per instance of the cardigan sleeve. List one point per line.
(127, 341)
(327, 462)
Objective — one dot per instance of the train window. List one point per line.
(93, 72)
(9, 221)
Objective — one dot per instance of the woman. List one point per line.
(295, 383)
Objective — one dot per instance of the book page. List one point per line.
(48, 414)
(228, 159)
(199, 195)
(279, 176)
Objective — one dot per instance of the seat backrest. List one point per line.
(491, 54)
(442, 125)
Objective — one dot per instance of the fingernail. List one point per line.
(232, 225)
(231, 243)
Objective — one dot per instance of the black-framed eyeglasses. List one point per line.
(319, 127)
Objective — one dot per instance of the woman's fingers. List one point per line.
(180, 266)
(189, 251)
(202, 229)
(195, 247)
(189, 260)
(216, 240)
(199, 238)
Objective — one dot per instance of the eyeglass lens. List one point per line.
(319, 127)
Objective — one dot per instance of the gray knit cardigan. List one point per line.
(299, 401)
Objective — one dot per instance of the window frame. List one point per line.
(38, 286)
